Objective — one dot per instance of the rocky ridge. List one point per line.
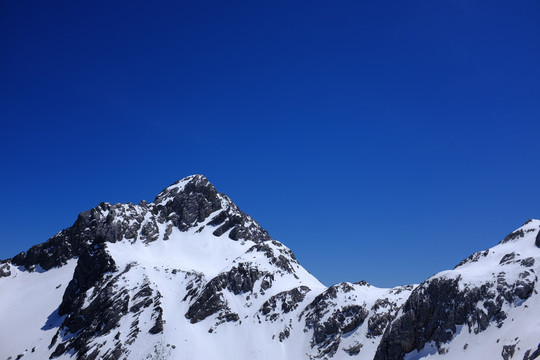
(162, 280)
(481, 295)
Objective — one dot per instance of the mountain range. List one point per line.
(190, 276)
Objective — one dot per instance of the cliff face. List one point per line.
(189, 275)
(481, 309)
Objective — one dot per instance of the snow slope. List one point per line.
(29, 303)
(486, 308)
(190, 276)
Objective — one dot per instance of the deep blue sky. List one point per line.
(379, 140)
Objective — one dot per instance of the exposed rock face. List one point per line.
(457, 301)
(192, 204)
(531, 356)
(100, 317)
(283, 258)
(384, 310)
(341, 313)
(283, 302)
(162, 280)
(209, 300)
(473, 258)
(426, 318)
(5, 269)
(508, 351)
(337, 321)
(183, 205)
(189, 205)
(436, 309)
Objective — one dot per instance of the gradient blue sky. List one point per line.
(379, 140)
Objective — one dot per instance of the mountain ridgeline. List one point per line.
(190, 276)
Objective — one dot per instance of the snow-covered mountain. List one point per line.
(190, 276)
(488, 307)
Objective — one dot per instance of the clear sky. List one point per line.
(379, 140)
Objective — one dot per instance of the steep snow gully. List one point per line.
(190, 276)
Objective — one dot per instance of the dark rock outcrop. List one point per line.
(101, 297)
(473, 258)
(378, 322)
(197, 201)
(91, 268)
(99, 317)
(210, 300)
(189, 206)
(329, 321)
(5, 269)
(283, 259)
(183, 205)
(183, 208)
(284, 302)
(438, 306)
(508, 351)
(534, 355)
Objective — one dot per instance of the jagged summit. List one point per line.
(190, 184)
(191, 245)
(190, 275)
(197, 181)
(190, 203)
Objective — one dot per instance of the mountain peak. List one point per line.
(192, 183)
(194, 202)
(190, 203)
(164, 279)
(531, 225)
